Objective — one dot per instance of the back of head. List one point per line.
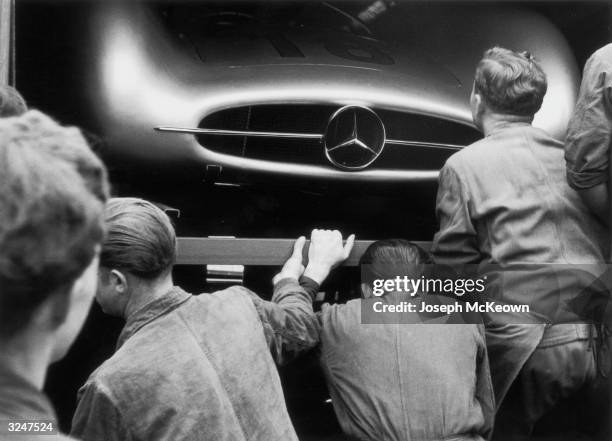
(386, 259)
(140, 239)
(11, 102)
(50, 213)
(510, 83)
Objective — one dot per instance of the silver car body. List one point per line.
(145, 77)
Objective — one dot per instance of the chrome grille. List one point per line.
(312, 119)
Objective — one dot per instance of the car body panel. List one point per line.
(145, 77)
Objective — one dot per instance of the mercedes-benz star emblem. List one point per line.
(354, 138)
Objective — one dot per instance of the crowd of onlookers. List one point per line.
(195, 367)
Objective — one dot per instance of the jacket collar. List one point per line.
(502, 126)
(152, 310)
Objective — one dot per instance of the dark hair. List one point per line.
(50, 222)
(140, 239)
(383, 259)
(11, 102)
(510, 82)
(77, 152)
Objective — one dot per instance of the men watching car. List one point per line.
(505, 200)
(194, 367)
(52, 194)
(399, 381)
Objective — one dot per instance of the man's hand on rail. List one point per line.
(326, 252)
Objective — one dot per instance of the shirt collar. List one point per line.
(502, 126)
(152, 310)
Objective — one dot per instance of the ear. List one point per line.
(118, 281)
(475, 99)
(366, 291)
(478, 108)
(58, 305)
(478, 101)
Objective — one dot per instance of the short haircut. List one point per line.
(11, 102)
(50, 221)
(510, 82)
(78, 153)
(383, 259)
(140, 240)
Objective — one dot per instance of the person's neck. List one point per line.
(28, 355)
(493, 122)
(145, 292)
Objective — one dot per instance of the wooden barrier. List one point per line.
(263, 252)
